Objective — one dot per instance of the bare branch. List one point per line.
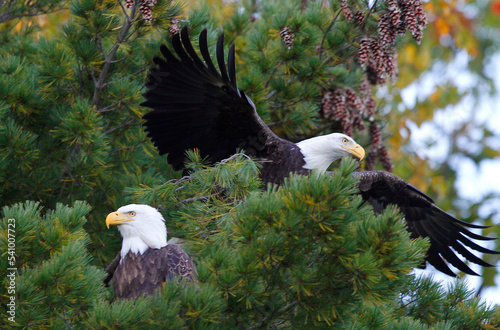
(118, 127)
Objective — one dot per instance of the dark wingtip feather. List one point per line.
(184, 31)
(177, 44)
(165, 52)
(437, 261)
(232, 67)
(190, 49)
(450, 256)
(463, 223)
(475, 246)
(470, 256)
(205, 53)
(470, 234)
(220, 58)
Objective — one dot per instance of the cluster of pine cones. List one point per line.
(378, 57)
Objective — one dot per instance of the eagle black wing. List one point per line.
(447, 234)
(137, 274)
(179, 264)
(197, 106)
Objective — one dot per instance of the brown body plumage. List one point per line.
(138, 274)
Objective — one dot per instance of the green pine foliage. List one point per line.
(291, 248)
(11, 11)
(56, 282)
(309, 254)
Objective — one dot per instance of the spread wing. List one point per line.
(138, 274)
(194, 105)
(447, 234)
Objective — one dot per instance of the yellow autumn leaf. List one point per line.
(442, 26)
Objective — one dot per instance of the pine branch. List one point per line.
(109, 58)
(118, 127)
(7, 15)
(99, 85)
(125, 148)
(326, 32)
(234, 156)
(111, 107)
(194, 199)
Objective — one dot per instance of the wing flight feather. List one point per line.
(447, 234)
(196, 105)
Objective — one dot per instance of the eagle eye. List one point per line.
(132, 213)
(344, 140)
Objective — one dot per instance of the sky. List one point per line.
(473, 181)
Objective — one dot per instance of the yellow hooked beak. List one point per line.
(116, 218)
(357, 151)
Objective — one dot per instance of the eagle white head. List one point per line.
(321, 151)
(141, 226)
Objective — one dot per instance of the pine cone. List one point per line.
(359, 17)
(346, 10)
(365, 89)
(129, 3)
(370, 107)
(358, 122)
(388, 62)
(393, 70)
(355, 108)
(394, 12)
(386, 30)
(327, 104)
(408, 15)
(346, 127)
(420, 14)
(364, 50)
(377, 52)
(401, 28)
(421, 21)
(174, 27)
(287, 36)
(376, 66)
(375, 134)
(146, 8)
(341, 113)
(351, 98)
(339, 110)
(372, 72)
(385, 159)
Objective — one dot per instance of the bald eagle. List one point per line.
(145, 261)
(194, 105)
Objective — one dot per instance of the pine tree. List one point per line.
(13, 10)
(308, 254)
(55, 281)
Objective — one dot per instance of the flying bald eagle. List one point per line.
(145, 261)
(194, 105)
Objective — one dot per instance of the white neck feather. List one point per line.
(138, 236)
(319, 153)
(133, 244)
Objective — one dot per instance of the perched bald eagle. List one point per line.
(145, 261)
(194, 105)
